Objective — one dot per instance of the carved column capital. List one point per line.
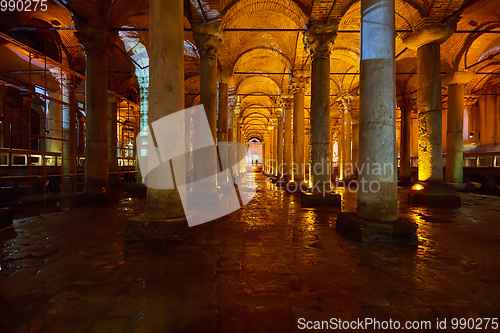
(319, 39)
(346, 101)
(95, 39)
(428, 31)
(207, 39)
(300, 78)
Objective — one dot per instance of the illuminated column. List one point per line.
(406, 107)
(95, 44)
(346, 137)
(222, 121)
(355, 144)
(320, 39)
(234, 133)
(455, 124)
(280, 145)
(114, 178)
(166, 32)
(431, 189)
(241, 153)
(143, 116)
(287, 148)
(81, 134)
(376, 218)
(307, 154)
(68, 135)
(299, 81)
(54, 122)
(275, 146)
(207, 40)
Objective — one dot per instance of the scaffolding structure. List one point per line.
(36, 136)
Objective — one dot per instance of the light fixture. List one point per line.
(471, 135)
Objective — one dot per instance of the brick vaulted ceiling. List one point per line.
(274, 50)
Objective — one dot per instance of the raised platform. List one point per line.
(366, 231)
(309, 199)
(142, 229)
(433, 194)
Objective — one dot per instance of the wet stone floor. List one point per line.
(259, 269)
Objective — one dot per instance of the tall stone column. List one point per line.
(80, 145)
(287, 148)
(455, 124)
(222, 121)
(241, 154)
(275, 147)
(307, 154)
(279, 149)
(404, 162)
(299, 81)
(95, 44)
(166, 32)
(68, 135)
(376, 218)
(143, 117)
(54, 123)
(355, 145)
(430, 190)
(114, 177)
(207, 40)
(320, 39)
(346, 137)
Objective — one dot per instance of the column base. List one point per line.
(143, 229)
(96, 198)
(296, 187)
(310, 200)
(433, 194)
(367, 231)
(404, 181)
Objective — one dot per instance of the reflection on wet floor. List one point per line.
(256, 270)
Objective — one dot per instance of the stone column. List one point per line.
(404, 162)
(320, 38)
(431, 189)
(455, 123)
(68, 135)
(207, 40)
(143, 117)
(114, 177)
(239, 138)
(166, 32)
(95, 43)
(287, 149)
(355, 145)
(81, 134)
(54, 123)
(346, 138)
(279, 147)
(307, 154)
(222, 121)
(299, 81)
(376, 214)
(275, 147)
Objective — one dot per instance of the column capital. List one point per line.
(225, 75)
(470, 100)
(457, 78)
(300, 78)
(320, 37)
(346, 101)
(94, 38)
(429, 32)
(207, 38)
